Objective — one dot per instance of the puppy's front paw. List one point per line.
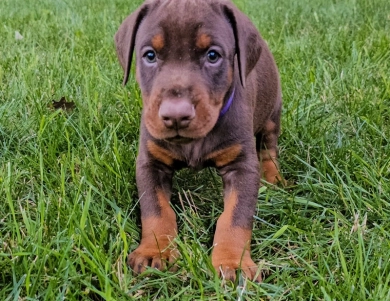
(227, 261)
(152, 255)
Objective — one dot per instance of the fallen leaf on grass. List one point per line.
(62, 104)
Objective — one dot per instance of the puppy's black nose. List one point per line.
(176, 113)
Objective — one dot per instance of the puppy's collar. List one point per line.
(228, 104)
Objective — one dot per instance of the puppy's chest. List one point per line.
(192, 156)
(199, 156)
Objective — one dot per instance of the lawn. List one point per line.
(69, 212)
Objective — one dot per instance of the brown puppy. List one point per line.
(209, 84)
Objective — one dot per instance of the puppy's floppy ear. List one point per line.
(248, 40)
(125, 39)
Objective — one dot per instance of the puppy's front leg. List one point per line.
(234, 227)
(159, 228)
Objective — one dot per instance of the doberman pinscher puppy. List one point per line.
(209, 85)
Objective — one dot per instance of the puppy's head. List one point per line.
(185, 52)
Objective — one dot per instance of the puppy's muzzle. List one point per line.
(176, 113)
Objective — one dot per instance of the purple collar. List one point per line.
(227, 105)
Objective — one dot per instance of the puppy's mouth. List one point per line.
(179, 139)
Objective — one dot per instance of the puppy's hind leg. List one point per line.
(267, 150)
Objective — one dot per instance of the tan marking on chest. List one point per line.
(225, 156)
(161, 154)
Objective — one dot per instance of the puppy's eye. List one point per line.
(213, 56)
(150, 56)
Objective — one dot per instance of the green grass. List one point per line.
(68, 205)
